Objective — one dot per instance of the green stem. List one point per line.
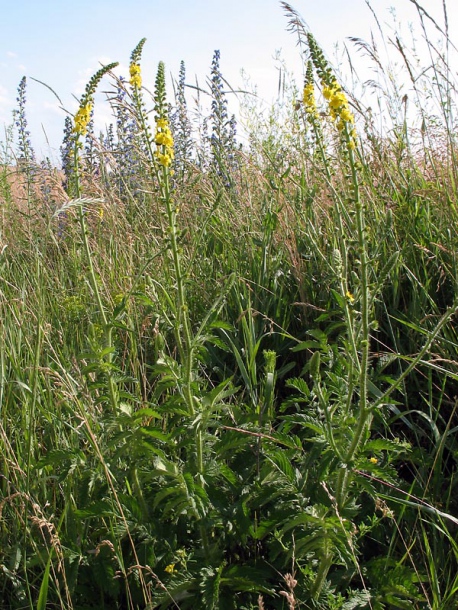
(343, 274)
(108, 336)
(363, 414)
(183, 333)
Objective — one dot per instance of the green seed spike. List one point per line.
(137, 52)
(159, 91)
(95, 80)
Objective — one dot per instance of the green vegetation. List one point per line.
(228, 374)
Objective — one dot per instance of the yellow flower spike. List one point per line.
(309, 99)
(82, 118)
(135, 75)
(164, 142)
(170, 569)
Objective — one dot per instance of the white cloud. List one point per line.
(5, 106)
(53, 107)
(11, 54)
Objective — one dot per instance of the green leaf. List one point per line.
(43, 595)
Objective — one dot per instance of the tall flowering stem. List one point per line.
(80, 127)
(160, 149)
(164, 156)
(343, 118)
(313, 118)
(358, 325)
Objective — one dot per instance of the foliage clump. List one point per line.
(228, 373)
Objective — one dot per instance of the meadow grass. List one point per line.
(228, 373)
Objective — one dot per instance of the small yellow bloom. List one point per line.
(346, 115)
(170, 569)
(338, 100)
(373, 460)
(162, 123)
(164, 138)
(164, 159)
(135, 75)
(350, 297)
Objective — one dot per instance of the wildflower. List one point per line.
(25, 145)
(327, 92)
(350, 297)
(164, 138)
(309, 99)
(135, 75)
(164, 159)
(170, 569)
(339, 107)
(162, 123)
(346, 115)
(164, 142)
(82, 118)
(373, 460)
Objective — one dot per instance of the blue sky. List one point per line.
(62, 44)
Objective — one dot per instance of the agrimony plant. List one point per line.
(82, 119)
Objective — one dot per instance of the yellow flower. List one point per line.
(82, 118)
(338, 100)
(164, 159)
(170, 569)
(346, 115)
(373, 460)
(164, 138)
(135, 75)
(350, 297)
(164, 142)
